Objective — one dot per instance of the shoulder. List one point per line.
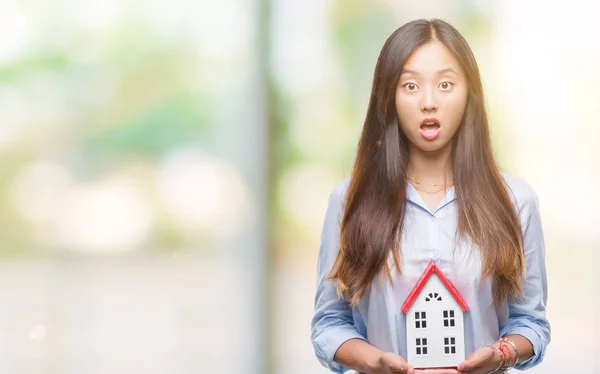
(521, 193)
(337, 197)
(339, 191)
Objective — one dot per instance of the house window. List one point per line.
(420, 321)
(449, 318)
(421, 346)
(450, 346)
(433, 296)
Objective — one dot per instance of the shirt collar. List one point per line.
(413, 196)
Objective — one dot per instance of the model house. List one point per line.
(434, 321)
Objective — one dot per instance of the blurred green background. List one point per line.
(165, 169)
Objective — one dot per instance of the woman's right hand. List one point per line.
(391, 363)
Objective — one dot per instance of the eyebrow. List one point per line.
(442, 71)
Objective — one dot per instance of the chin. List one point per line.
(432, 146)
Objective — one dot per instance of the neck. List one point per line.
(430, 167)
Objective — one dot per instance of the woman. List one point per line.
(425, 187)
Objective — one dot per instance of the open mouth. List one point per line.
(430, 128)
(430, 124)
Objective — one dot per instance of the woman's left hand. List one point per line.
(482, 361)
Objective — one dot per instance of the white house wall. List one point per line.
(435, 331)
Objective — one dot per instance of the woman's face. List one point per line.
(431, 97)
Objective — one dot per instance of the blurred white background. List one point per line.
(165, 168)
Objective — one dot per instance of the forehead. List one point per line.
(431, 58)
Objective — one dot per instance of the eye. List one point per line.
(446, 85)
(410, 86)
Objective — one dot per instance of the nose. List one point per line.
(429, 103)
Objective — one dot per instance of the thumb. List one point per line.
(396, 363)
(472, 361)
(469, 357)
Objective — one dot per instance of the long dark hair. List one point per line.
(375, 202)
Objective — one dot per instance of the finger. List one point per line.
(467, 366)
(394, 364)
(399, 366)
(407, 371)
(472, 361)
(437, 371)
(464, 366)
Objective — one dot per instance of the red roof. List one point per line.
(431, 268)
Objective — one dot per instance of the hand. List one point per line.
(391, 363)
(437, 371)
(482, 361)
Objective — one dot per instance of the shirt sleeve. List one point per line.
(332, 323)
(527, 314)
